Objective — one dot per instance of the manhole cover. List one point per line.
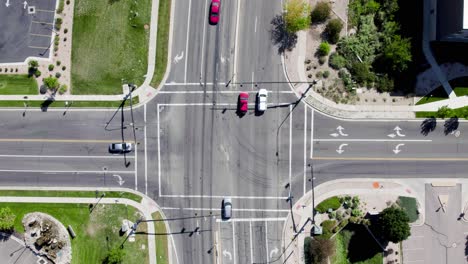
(31, 10)
(454, 245)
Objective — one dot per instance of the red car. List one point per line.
(215, 8)
(243, 103)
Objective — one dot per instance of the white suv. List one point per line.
(262, 96)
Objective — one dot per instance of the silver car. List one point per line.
(226, 209)
(119, 148)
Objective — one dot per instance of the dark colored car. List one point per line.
(243, 103)
(215, 8)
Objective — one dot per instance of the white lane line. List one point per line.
(305, 147)
(146, 152)
(42, 23)
(251, 245)
(290, 147)
(223, 196)
(236, 44)
(203, 41)
(70, 171)
(370, 140)
(65, 157)
(266, 241)
(136, 167)
(36, 47)
(39, 35)
(174, 250)
(234, 209)
(191, 84)
(44, 10)
(270, 219)
(159, 152)
(218, 92)
(187, 41)
(312, 133)
(255, 28)
(217, 104)
(253, 75)
(234, 241)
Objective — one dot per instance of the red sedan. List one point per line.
(243, 103)
(215, 8)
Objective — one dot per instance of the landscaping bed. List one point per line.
(62, 104)
(81, 194)
(162, 45)
(110, 45)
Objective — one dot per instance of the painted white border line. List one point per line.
(233, 241)
(146, 152)
(305, 149)
(266, 241)
(187, 40)
(63, 157)
(72, 171)
(234, 209)
(272, 219)
(370, 140)
(191, 84)
(290, 148)
(136, 167)
(251, 244)
(159, 152)
(219, 92)
(222, 197)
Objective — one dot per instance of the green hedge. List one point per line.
(332, 202)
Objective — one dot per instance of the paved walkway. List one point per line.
(147, 206)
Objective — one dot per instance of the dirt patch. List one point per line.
(146, 26)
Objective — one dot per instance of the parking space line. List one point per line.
(36, 47)
(266, 241)
(43, 10)
(271, 219)
(234, 241)
(42, 23)
(251, 245)
(305, 147)
(39, 35)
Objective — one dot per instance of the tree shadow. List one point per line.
(360, 236)
(280, 36)
(45, 105)
(451, 125)
(428, 125)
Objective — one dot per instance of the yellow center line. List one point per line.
(63, 140)
(390, 159)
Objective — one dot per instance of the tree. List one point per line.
(51, 82)
(281, 36)
(361, 73)
(114, 256)
(7, 219)
(336, 61)
(320, 13)
(297, 15)
(398, 53)
(33, 64)
(333, 29)
(323, 49)
(395, 224)
(317, 251)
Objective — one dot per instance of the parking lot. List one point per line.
(26, 29)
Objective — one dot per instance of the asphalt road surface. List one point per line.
(192, 149)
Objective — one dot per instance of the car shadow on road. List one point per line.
(428, 125)
(451, 125)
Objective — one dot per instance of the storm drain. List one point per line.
(31, 10)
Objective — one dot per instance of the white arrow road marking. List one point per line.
(178, 57)
(227, 253)
(340, 148)
(119, 179)
(7, 3)
(391, 135)
(25, 4)
(397, 148)
(456, 133)
(274, 252)
(340, 130)
(397, 130)
(334, 134)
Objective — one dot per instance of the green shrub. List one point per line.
(356, 212)
(444, 112)
(333, 29)
(384, 84)
(327, 228)
(330, 203)
(58, 74)
(332, 215)
(326, 74)
(58, 23)
(410, 206)
(319, 74)
(323, 49)
(354, 220)
(51, 82)
(37, 73)
(362, 74)
(58, 63)
(51, 67)
(7, 219)
(64, 68)
(63, 89)
(322, 60)
(336, 61)
(60, 6)
(343, 223)
(321, 12)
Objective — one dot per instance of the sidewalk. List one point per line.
(147, 207)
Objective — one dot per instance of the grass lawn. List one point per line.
(18, 84)
(410, 206)
(162, 42)
(161, 240)
(110, 43)
(36, 193)
(330, 203)
(350, 249)
(439, 94)
(72, 104)
(459, 112)
(92, 229)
